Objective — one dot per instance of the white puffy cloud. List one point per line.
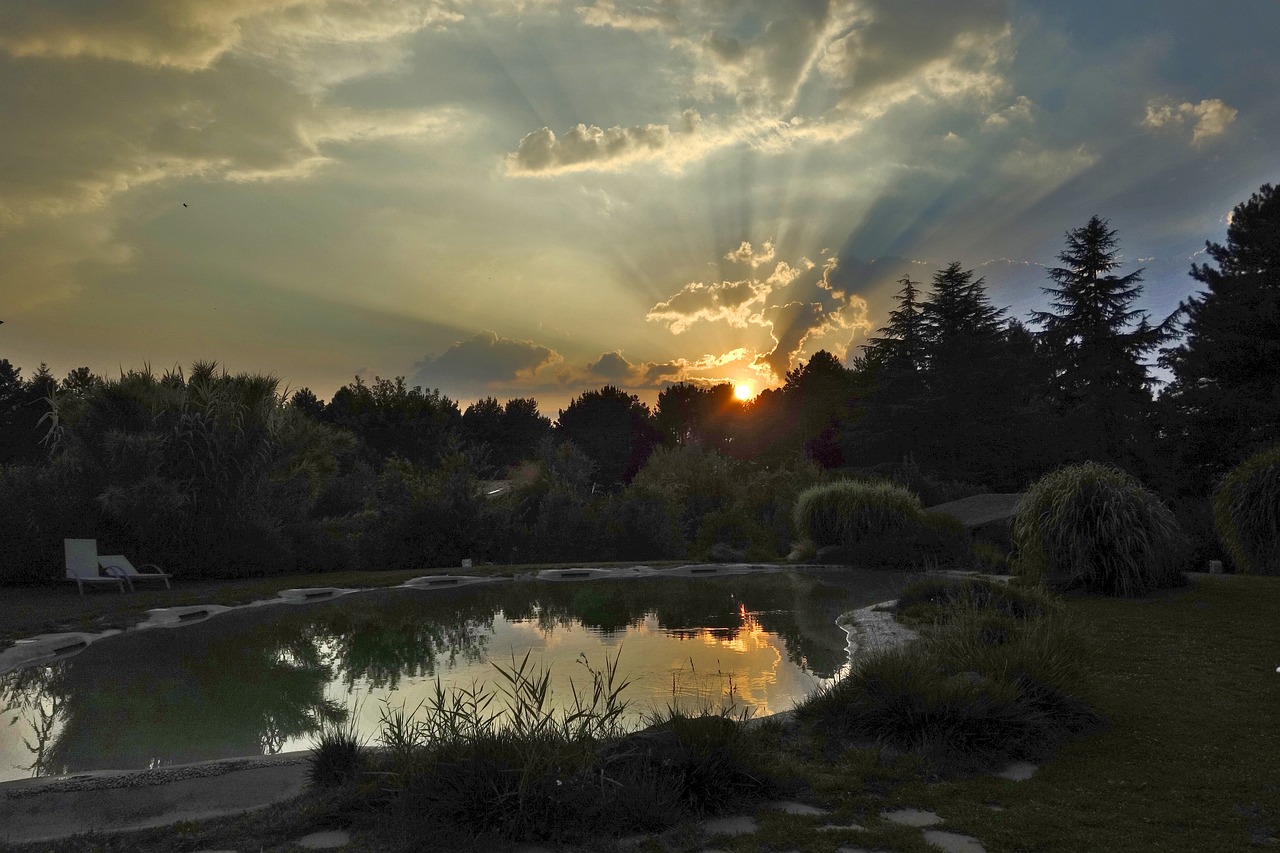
(1208, 119)
(731, 301)
(589, 147)
(745, 254)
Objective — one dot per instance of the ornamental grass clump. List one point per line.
(939, 600)
(967, 696)
(847, 512)
(1246, 513)
(1097, 528)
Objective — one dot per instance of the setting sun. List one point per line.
(742, 391)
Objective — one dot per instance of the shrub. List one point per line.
(336, 759)
(967, 696)
(1246, 513)
(847, 512)
(932, 541)
(936, 599)
(1094, 527)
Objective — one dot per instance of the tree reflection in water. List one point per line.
(249, 681)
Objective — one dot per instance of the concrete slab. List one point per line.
(953, 842)
(45, 809)
(911, 817)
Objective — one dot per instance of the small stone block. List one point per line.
(953, 842)
(1018, 771)
(733, 825)
(788, 807)
(325, 840)
(912, 817)
(835, 827)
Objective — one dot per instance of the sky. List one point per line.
(517, 198)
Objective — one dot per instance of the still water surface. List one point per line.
(263, 680)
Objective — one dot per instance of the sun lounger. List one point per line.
(82, 564)
(118, 563)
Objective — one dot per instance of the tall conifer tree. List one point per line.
(1096, 342)
(1224, 400)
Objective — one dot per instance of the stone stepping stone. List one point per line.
(788, 807)
(835, 827)
(325, 840)
(912, 817)
(1018, 771)
(953, 842)
(732, 825)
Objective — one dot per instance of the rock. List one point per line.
(912, 817)
(733, 825)
(953, 842)
(325, 840)
(1018, 771)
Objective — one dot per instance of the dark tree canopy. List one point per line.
(614, 429)
(1224, 400)
(697, 414)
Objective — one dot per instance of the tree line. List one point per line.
(229, 474)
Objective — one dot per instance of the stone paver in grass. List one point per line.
(732, 825)
(1018, 771)
(788, 807)
(912, 817)
(325, 840)
(836, 827)
(953, 842)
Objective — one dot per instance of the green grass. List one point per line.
(1185, 678)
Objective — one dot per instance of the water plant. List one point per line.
(1246, 513)
(1094, 527)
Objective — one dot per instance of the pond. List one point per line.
(263, 680)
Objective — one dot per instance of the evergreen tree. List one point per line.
(1224, 400)
(958, 318)
(1096, 342)
(901, 342)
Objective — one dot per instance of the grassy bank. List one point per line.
(1186, 681)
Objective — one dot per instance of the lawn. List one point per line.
(1187, 680)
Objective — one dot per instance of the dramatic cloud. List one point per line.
(854, 62)
(731, 301)
(744, 254)
(483, 361)
(193, 34)
(1019, 111)
(612, 366)
(1208, 119)
(583, 147)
